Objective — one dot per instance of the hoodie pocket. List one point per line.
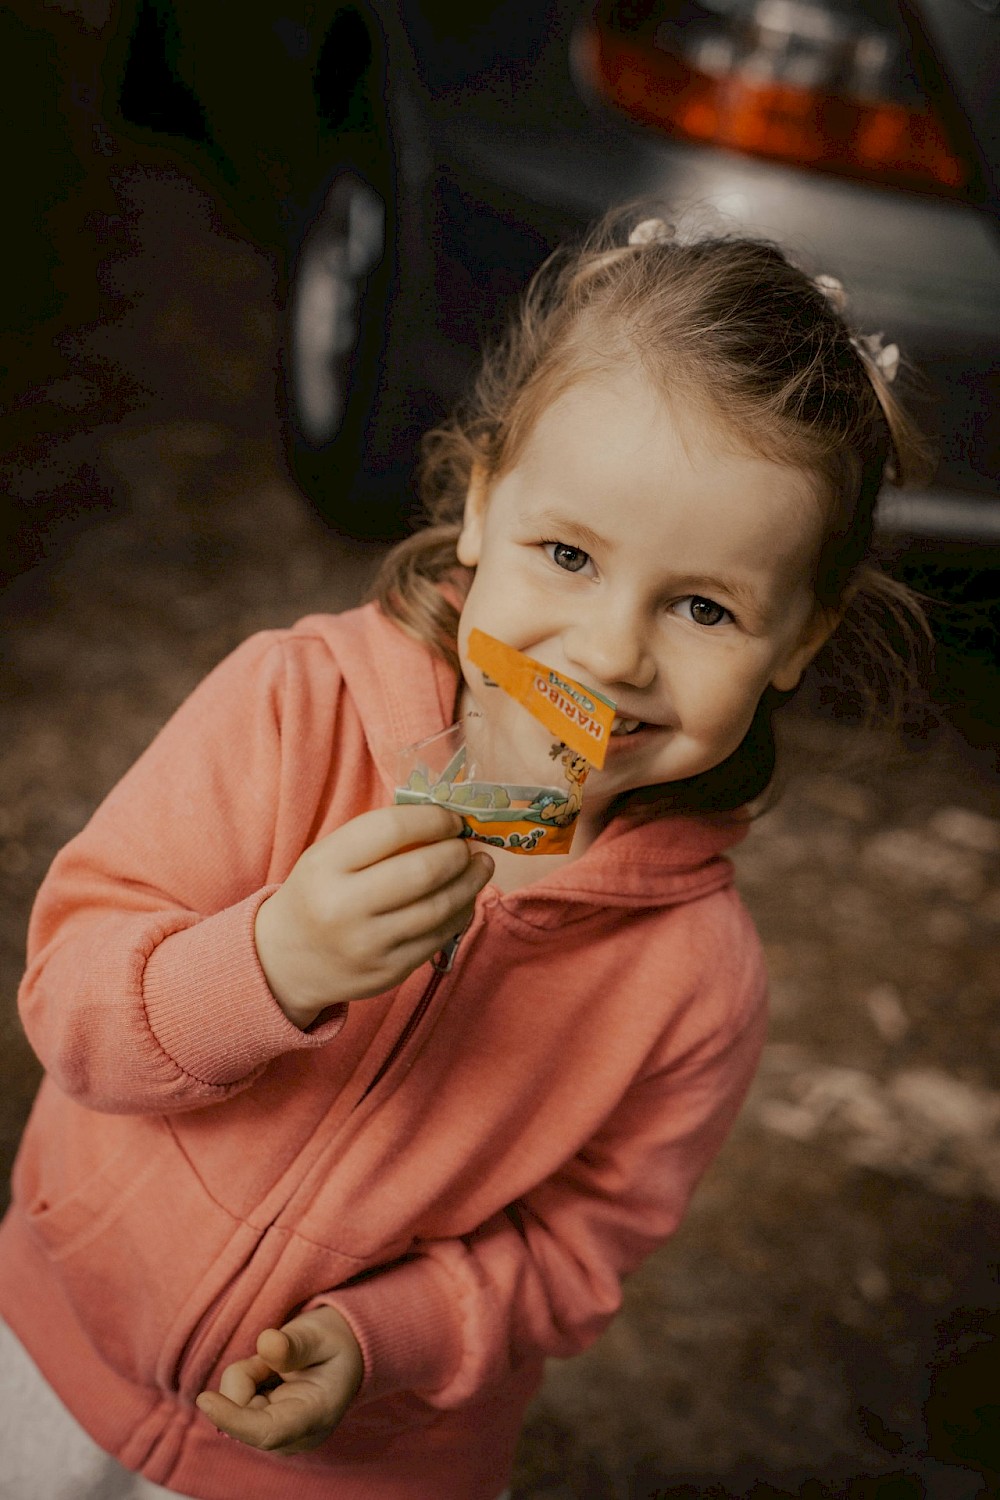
(127, 1228)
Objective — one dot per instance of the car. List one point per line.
(412, 162)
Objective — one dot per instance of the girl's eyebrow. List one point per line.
(560, 525)
(742, 594)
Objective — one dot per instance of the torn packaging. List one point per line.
(504, 800)
(577, 715)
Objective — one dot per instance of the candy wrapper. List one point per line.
(514, 789)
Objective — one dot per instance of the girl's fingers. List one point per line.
(310, 1339)
(276, 1424)
(240, 1380)
(313, 1366)
(374, 836)
(225, 1414)
(447, 909)
(398, 882)
(411, 955)
(290, 1347)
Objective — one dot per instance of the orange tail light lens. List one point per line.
(748, 98)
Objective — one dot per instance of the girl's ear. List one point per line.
(470, 538)
(818, 630)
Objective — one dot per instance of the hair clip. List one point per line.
(885, 357)
(832, 290)
(649, 232)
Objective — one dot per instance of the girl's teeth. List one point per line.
(625, 726)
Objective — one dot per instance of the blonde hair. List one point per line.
(732, 325)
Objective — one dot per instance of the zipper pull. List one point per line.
(445, 957)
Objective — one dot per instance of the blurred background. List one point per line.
(250, 255)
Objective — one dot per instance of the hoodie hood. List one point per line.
(404, 693)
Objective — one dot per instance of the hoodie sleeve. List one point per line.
(544, 1277)
(143, 991)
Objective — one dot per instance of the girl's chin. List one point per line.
(628, 766)
(649, 757)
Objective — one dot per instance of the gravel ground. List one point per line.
(825, 1322)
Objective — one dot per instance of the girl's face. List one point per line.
(635, 548)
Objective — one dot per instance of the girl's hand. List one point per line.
(365, 906)
(310, 1370)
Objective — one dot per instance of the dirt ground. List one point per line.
(825, 1323)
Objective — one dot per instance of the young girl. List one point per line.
(307, 1172)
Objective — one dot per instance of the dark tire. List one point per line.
(354, 410)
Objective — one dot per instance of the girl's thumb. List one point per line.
(292, 1347)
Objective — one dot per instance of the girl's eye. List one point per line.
(572, 559)
(703, 611)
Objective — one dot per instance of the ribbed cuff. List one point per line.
(209, 1005)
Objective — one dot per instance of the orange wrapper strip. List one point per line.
(577, 715)
(513, 792)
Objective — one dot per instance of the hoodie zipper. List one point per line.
(441, 965)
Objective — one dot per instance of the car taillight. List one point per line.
(822, 83)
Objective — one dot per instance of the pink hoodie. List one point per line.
(196, 1169)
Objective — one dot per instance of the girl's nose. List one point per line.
(611, 647)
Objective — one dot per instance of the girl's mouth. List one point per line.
(627, 726)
